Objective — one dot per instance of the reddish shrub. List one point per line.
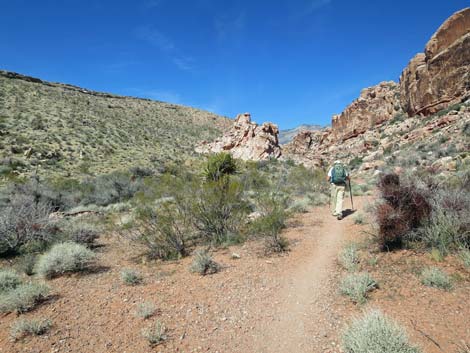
(404, 210)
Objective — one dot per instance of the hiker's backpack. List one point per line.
(338, 174)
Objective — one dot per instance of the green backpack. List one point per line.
(338, 174)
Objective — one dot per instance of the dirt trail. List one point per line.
(305, 319)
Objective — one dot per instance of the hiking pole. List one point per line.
(350, 194)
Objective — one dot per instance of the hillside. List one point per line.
(286, 136)
(63, 129)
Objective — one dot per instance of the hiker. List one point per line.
(337, 176)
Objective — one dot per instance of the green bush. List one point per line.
(203, 263)
(218, 210)
(434, 277)
(63, 258)
(357, 286)
(219, 165)
(155, 333)
(25, 327)
(270, 224)
(131, 277)
(374, 332)
(164, 231)
(8, 280)
(22, 298)
(26, 264)
(349, 257)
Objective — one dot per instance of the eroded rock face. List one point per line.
(441, 76)
(246, 140)
(375, 105)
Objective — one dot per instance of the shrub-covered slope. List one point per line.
(53, 127)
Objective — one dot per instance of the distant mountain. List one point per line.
(59, 129)
(286, 136)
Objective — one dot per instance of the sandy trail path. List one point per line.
(304, 319)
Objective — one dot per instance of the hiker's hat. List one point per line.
(337, 162)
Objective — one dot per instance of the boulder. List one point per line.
(439, 77)
(246, 140)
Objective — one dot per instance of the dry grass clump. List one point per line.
(25, 327)
(203, 263)
(349, 257)
(9, 280)
(23, 297)
(145, 310)
(357, 286)
(434, 277)
(64, 258)
(375, 332)
(155, 333)
(131, 277)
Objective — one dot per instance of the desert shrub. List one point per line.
(63, 258)
(301, 181)
(464, 255)
(203, 263)
(82, 233)
(9, 280)
(434, 277)
(26, 263)
(270, 224)
(359, 218)
(374, 332)
(406, 207)
(131, 277)
(218, 209)
(145, 310)
(23, 297)
(155, 333)
(357, 286)
(25, 226)
(300, 205)
(25, 327)
(349, 257)
(219, 165)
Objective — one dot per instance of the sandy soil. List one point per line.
(287, 303)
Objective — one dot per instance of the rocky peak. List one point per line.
(246, 140)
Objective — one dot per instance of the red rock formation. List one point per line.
(247, 140)
(375, 105)
(440, 77)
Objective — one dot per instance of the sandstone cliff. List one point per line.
(440, 76)
(375, 105)
(246, 140)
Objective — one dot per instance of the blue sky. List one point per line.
(290, 62)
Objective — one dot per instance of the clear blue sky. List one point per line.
(289, 62)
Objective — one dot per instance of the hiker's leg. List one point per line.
(333, 199)
(339, 199)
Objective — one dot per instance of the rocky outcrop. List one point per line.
(441, 76)
(309, 148)
(246, 140)
(375, 105)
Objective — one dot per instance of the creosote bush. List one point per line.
(203, 263)
(357, 286)
(155, 333)
(23, 297)
(63, 258)
(434, 277)
(375, 332)
(131, 277)
(25, 327)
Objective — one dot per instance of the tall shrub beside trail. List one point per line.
(404, 209)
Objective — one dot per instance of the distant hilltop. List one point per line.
(286, 136)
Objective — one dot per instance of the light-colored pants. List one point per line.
(336, 200)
